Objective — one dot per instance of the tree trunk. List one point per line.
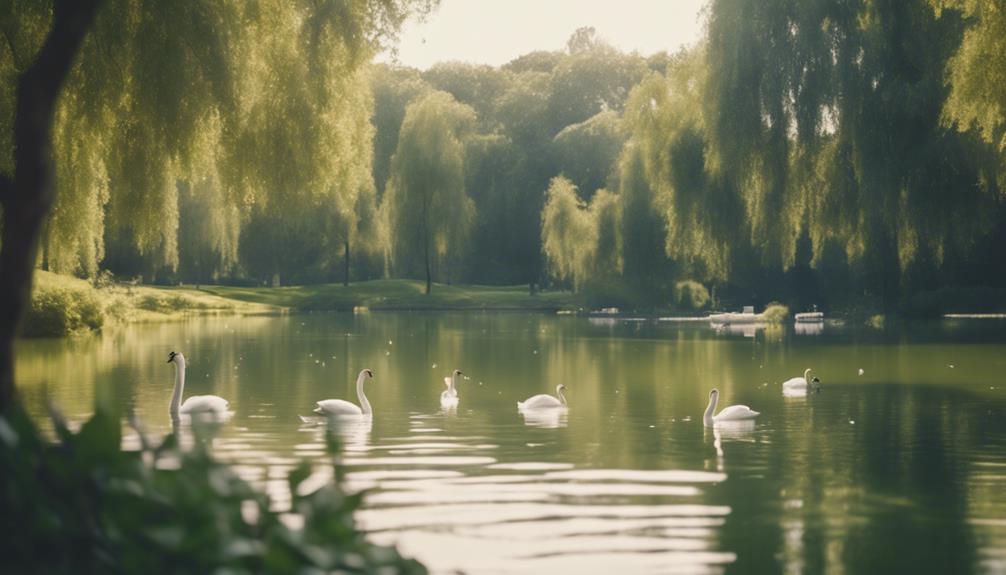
(28, 198)
(426, 255)
(345, 278)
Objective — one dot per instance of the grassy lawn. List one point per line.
(400, 295)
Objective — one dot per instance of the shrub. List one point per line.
(83, 505)
(62, 307)
(775, 313)
(169, 303)
(690, 295)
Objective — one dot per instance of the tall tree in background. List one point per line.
(581, 242)
(566, 233)
(587, 152)
(429, 213)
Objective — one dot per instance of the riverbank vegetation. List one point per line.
(63, 305)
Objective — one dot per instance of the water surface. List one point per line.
(901, 469)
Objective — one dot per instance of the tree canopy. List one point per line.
(860, 142)
(428, 211)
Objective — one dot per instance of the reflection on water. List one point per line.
(808, 328)
(548, 418)
(900, 468)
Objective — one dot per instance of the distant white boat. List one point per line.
(809, 317)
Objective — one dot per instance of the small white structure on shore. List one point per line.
(809, 317)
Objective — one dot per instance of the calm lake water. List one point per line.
(901, 469)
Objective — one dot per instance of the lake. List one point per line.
(900, 469)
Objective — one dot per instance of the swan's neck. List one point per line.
(562, 395)
(176, 395)
(707, 417)
(453, 388)
(806, 376)
(364, 404)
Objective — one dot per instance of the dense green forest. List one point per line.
(844, 154)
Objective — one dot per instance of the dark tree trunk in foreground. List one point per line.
(27, 198)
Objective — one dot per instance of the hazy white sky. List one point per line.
(497, 31)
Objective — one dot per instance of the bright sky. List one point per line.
(497, 31)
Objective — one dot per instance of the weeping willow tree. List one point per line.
(668, 156)
(247, 104)
(428, 212)
(263, 104)
(606, 217)
(826, 116)
(976, 75)
(581, 242)
(567, 239)
(801, 127)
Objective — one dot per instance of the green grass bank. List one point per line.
(401, 295)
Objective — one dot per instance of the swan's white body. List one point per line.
(799, 384)
(545, 401)
(449, 397)
(731, 413)
(343, 408)
(197, 403)
(204, 403)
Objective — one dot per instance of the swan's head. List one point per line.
(714, 394)
(815, 384)
(457, 372)
(175, 357)
(369, 373)
(560, 388)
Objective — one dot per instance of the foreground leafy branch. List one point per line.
(83, 505)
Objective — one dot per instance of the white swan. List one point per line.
(800, 384)
(731, 413)
(449, 398)
(341, 407)
(545, 401)
(197, 403)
